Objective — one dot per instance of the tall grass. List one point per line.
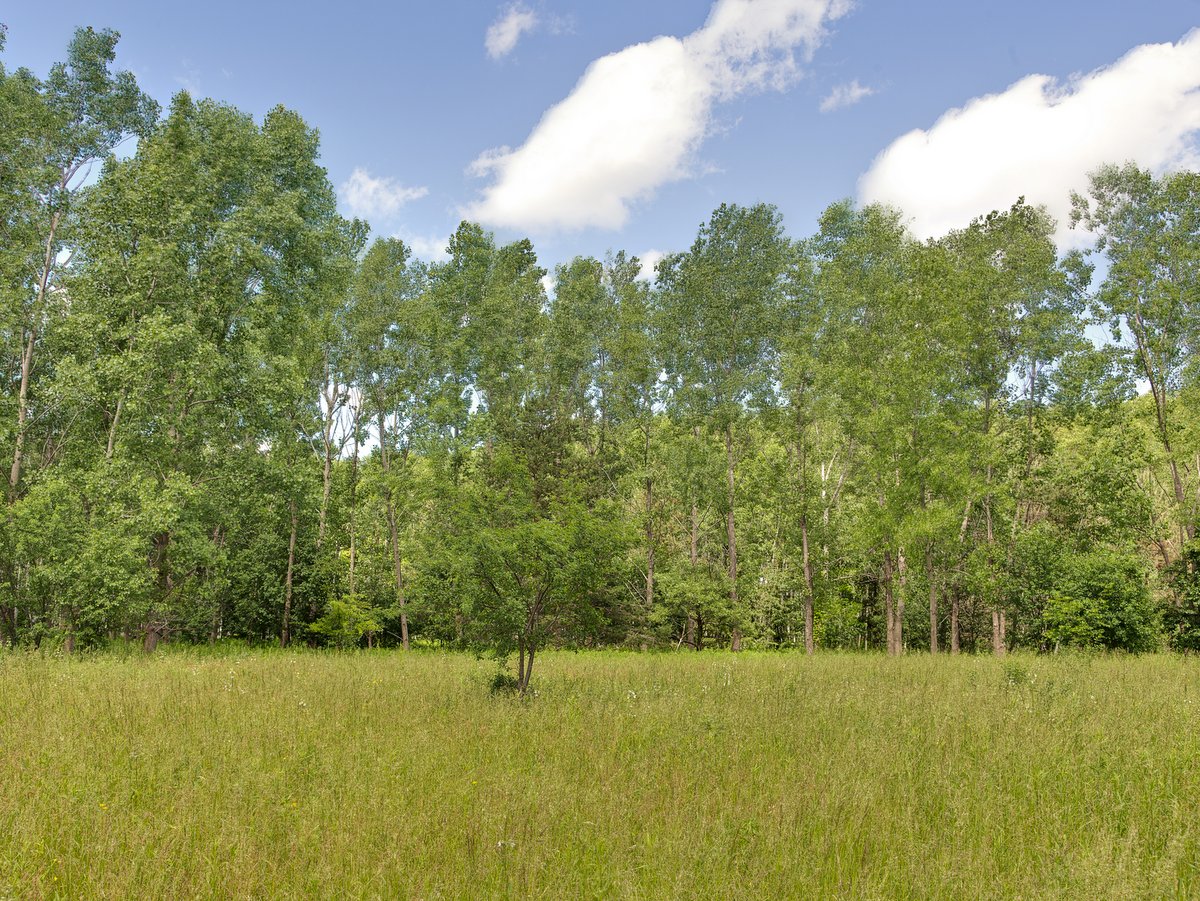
(651, 776)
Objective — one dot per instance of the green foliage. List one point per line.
(1104, 602)
(1181, 613)
(700, 592)
(225, 416)
(346, 621)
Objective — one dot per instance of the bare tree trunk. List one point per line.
(285, 634)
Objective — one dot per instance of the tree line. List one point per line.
(226, 413)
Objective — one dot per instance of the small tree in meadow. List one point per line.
(540, 568)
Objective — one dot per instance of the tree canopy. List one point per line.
(224, 414)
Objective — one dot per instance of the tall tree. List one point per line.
(390, 326)
(719, 303)
(1148, 231)
(51, 132)
(207, 256)
(88, 110)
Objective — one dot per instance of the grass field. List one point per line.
(254, 775)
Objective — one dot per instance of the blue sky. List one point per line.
(596, 126)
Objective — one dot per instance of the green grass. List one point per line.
(628, 776)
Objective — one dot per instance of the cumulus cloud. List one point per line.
(503, 34)
(845, 95)
(431, 248)
(370, 197)
(649, 260)
(1040, 138)
(635, 119)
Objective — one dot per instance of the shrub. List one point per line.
(1104, 602)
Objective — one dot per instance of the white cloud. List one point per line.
(367, 196)
(637, 116)
(845, 95)
(503, 34)
(431, 248)
(649, 259)
(1040, 139)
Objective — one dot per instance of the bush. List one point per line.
(1104, 602)
(346, 621)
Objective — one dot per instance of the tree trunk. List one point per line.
(695, 624)
(1159, 392)
(112, 429)
(69, 645)
(398, 571)
(933, 616)
(385, 458)
(888, 612)
(649, 544)
(954, 634)
(8, 620)
(27, 355)
(731, 530)
(14, 476)
(902, 568)
(809, 638)
(330, 394)
(353, 500)
(528, 672)
(694, 535)
(153, 626)
(285, 634)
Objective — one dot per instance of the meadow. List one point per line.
(392, 775)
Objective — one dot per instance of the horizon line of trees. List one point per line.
(224, 413)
